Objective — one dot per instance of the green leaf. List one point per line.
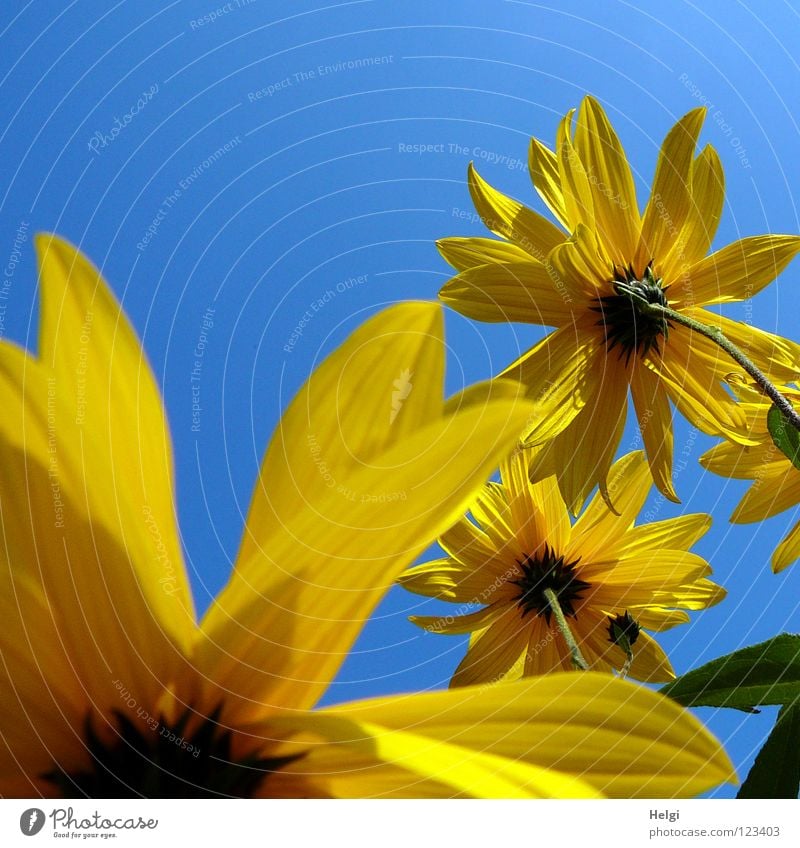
(785, 436)
(768, 673)
(776, 771)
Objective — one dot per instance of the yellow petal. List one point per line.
(465, 253)
(492, 511)
(581, 270)
(543, 168)
(613, 194)
(650, 663)
(585, 450)
(674, 533)
(466, 543)
(658, 619)
(539, 513)
(671, 195)
(557, 375)
(623, 739)
(644, 570)
(738, 271)
(328, 554)
(745, 462)
(655, 424)
(511, 220)
(104, 601)
(777, 357)
(700, 225)
(105, 386)
(522, 291)
(788, 551)
(690, 369)
(768, 496)
(454, 625)
(573, 177)
(494, 654)
(365, 760)
(451, 581)
(42, 704)
(598, 528)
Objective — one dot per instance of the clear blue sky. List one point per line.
(250, 161)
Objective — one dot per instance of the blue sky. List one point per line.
(227, 164)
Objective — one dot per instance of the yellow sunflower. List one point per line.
(611, 578)
(110, 687)
(776, 481)
(605, 346)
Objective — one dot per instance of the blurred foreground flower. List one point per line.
(110, 688)
(609, 577)
(776, 480)
(593, 287)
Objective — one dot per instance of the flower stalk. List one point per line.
(716, 335)
(578, 660)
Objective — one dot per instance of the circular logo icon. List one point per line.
(31, 821)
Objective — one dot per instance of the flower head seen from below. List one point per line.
(613, 580)
(776, 481)
(111, 687)
(589, 279)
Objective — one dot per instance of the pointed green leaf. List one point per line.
(785, 436)
(776, 771)
(768, 673)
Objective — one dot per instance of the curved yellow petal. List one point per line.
(454, 625)
(521, 291)
(104, 601)
(616, 210)
(584, 451)
(622, 739)
(42, 703)
(557, 375)
(123, 455)
(738, 271)
(598, 528)
(466, 253)
(690, 368)
(442, 578)
(788, 551)
(543, 168)
(326, 554)
(769, 495)
(540, 515)
(495, 653)
(673, 533)
(573, 177)
(360, 759)
(467, 543)
(700, 225)
(654, 414)
(777, 357)
(671, 195)
(511, 220)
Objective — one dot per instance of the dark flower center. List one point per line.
(624, 316)
(621, 627)
(153, 759)
(546, 570)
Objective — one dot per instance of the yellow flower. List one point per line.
(603, 347)
(776, 482)
(109, 686)
(608, 576)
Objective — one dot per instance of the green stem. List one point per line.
(716, 336)
(577, 657)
